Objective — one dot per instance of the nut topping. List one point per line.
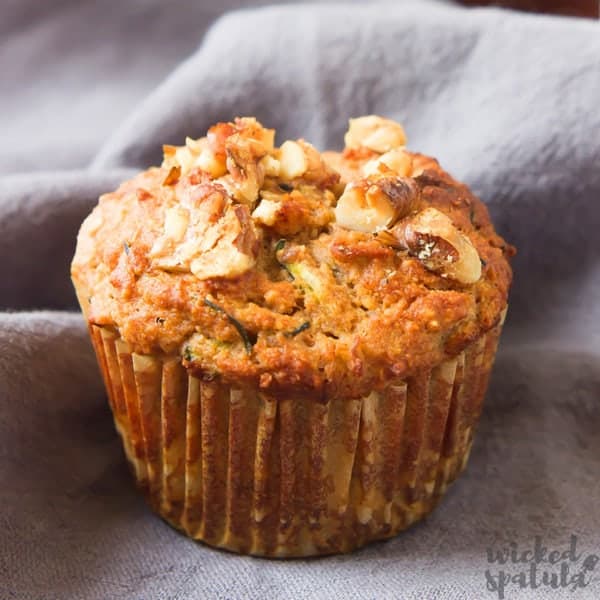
(209, 162)
(266, 212)
(396, 162)
(292, 160)
(375, 133)
(176, 222)
(243, 155)
(353, 212)
(431, 237)
(370, 205)
(234, 253)
(270, 166)
(242, 161)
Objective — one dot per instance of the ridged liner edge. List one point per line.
(286, 477)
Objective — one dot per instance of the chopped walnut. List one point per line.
(375, 133)
(246, 176)
(209, 237)
(396, 162)
(373, 204)
(292, 160)
(432, 238)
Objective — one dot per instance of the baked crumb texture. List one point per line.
(291, 270)
(295, 344)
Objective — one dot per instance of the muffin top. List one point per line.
(292, 270)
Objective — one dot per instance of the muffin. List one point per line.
(295, 345)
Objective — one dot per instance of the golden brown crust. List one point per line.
(230, 254)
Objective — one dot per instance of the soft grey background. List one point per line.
(508, 102)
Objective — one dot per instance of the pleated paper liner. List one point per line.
(292, 476)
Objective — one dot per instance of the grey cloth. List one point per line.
(509, 103)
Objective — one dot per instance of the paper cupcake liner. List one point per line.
(294, 476)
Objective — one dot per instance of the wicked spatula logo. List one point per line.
(537, 567)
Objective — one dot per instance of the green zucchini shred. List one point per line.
(238, 326)
(278, 247)
(298, 330)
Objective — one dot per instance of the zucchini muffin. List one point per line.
(295, 345)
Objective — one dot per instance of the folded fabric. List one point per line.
(509, 104)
